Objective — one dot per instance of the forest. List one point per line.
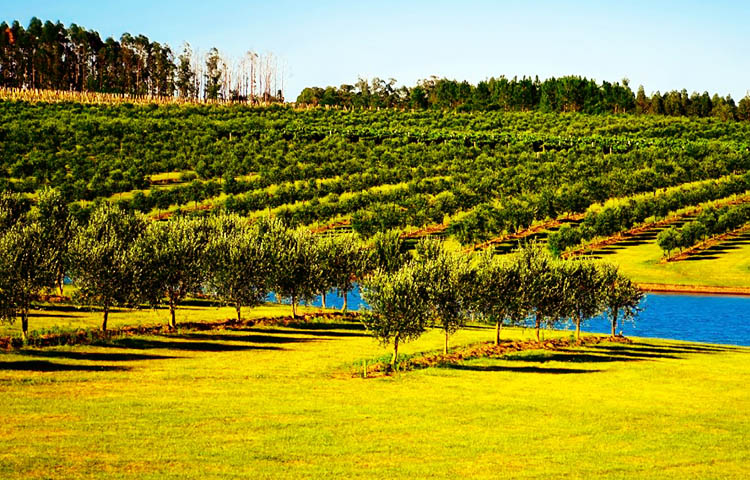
(50, 56)
(564, 94)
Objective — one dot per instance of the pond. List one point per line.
(698, 318)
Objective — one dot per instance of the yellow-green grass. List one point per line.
(273, 402)
(69, 317)
(724, 265)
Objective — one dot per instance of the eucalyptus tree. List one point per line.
(496, 291)
(619, 295)
(101, 262)
(240, 262)
(399, 310)
(24, 271)
(171, 260)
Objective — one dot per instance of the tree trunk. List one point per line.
(538, 325)
(25, 326)
(173, 322)
(497, 332)
(323, 300)
(614, 323)
(346, 303)
(445, 345)
(106, 316)
(294, 306)
(395, 353)
(61, 283)
(238, 307)
(578, 328)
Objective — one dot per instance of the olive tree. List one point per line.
(297, 268)
(619, 295)
(170, 260)
(101, 262)
(24, 271)
(543, 286)
(387, 251)
(240, 262)
(59, 229)
(583, 298)
(399, 310)
(444, 276)
(348, 263)
(496, 291)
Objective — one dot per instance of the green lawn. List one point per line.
(726, 264)
(273, 402)
(74, 318)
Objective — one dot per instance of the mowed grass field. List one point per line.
(276, 402)
(723, 265)
(67, 317)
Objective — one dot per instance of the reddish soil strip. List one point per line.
(644, 228)
(527, 232)
(701, 289)
(707, 244)
(485, 350)
(166, 215)
(324, 228)
(87, 337)
(427, 231)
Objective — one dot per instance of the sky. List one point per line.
(662, 45)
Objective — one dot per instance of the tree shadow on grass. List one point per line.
(500, 368)
(575, 356)
(53, 315)
(310, 332)
(192, 346)
(696, 257)
(650, 350)
(94, 356)
(47, 366)
(327, 326)
(250, 338)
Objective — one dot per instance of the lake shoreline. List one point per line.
(699, 289)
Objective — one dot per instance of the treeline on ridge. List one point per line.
(50, 56)
(564, 94)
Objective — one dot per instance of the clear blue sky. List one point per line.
(697, 45)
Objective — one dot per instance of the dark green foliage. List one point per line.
(710, 222)
(170, 261)
(240, 262)
(102, 263)
(399, 309)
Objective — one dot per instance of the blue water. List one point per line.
(698, 318)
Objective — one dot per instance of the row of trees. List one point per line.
(622, 216)
(119, 258)
(443, 289)
(710, 222)
(50, 56)
(122, 259)
(564, 94)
